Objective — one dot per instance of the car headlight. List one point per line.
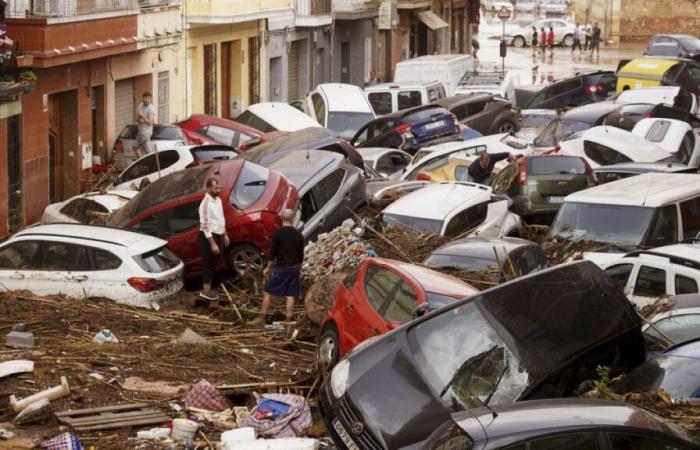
(339, 378)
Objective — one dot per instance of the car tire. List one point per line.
(568, 40)
(327, 354)
(506, 127)
(519, 42)
(245, 258)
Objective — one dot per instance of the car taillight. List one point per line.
(403, 128)
(145, 284)
(118, 147)
(522, 174)
(593, 88)
(422, 176)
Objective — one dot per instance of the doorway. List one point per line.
(63, 146)
(97, 103)
(345, 62)
(418, 44)
(14, 173)
(210, 79)
(226, 80)
(253, 70)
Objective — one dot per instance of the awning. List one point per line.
(431, 20)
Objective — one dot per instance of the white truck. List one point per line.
(447, 69)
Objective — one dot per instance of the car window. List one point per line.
(83, 210)
(402, 305)
(222, 135)
(167, 158)
(476, 107)
(325, 189)
(664, 229)
(349, 281)
(461, 173)
(379, 286)
(602, 154)
(158, 260)
(308, 206)
(466, 220)
(564, 87)
(624, 441)
(685, 285)
(19, 256)
(182, 218)
(503, 182)
(461, 111)
(392, 162)
(530, 260)
(685, 151)
(651, 282)
(139, 169)
(433, 95)
(680, 328)
(576, 441)
(153, 225)
(65, 257)
(166, 133)
(319, 108)
(129, 132)
(381, 102)
(253, 121)
(690, 217)
(105, 260)
(441, 92)
(249, 186)
(408, 99)
(548, 165)
(620, 274)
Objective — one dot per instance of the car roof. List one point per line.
(683, 250)
(449, 102)
(650, 189)
(621, 140)
(275, 112)
(345, 97)
(591, 112)
(643, 167)
(437, 201)
(431, 280)
(372, 153)
(401, 85)
(301, 166)
(206, 119)
(479, 247)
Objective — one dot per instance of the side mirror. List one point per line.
(115, 180)
(421, 310)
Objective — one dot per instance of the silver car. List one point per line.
(563, 32)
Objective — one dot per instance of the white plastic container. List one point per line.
(184, 429)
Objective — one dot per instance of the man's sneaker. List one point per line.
(209, 295)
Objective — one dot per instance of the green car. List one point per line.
(539, 184)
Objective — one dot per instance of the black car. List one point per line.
(677, 45)
(486, 113)
(409, 129)
(521, 340)
(573, 121)
(312, 138)
(614, 172)
(569, 92)
(569, 424)
(627, 116)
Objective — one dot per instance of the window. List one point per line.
(564, 87)
(476, 107)
(153, 225)
(466, 220)
(183, 218)
(65, 257)
(462, 112)
(685, 285)
(685, 150)
(664, 229)
(392, 162)
(83, 210)
(560, 165)
(657, 131)
(253, 121)
(620, 274)
(682, 328)
(624, 441)
(381, 102)
(531, 259)
(222, 135)
(433, 95)
(308, 207)
(409, 99)
(319, 108)
(462, 173)
(402, 305)
(19, 255)
(105, 260)
(325, 189)
(651, 282)
(349, 281)
(603, 155)
(158, 260)
(690, 217)
(578, 441)
(149, 165)
(249, 186)
(379, 286)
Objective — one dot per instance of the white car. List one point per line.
(385, 161)
(527, 6)
(563, 32)
(164, 137)
(86, 208)
(275, 116)
(492, 82)
(454, 209)
(554, 6)
(436, 155)
(603, 146)
(387, 98)
(169, 161)
(650, 274)
(84, 261)
(660, 95)
(340, 107)
(674, 136)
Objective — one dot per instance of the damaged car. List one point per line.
(521, 340)
(91, 207)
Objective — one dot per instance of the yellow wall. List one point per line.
(239, 7)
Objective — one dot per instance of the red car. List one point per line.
(379, 296)
(252, 197)
(223, 131)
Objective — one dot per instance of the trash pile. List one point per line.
(404, 244)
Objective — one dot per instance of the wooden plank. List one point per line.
(127, 423)
(81, 412)
(118, 419)
(102, 417)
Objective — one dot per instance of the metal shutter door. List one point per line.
(293, 72)
(124, 108)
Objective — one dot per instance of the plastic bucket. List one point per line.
(184, 429)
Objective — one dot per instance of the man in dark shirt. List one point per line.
(286, 257)
(480, 170)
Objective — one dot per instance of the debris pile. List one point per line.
(404, 244)
(339, 250)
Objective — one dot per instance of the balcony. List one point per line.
(356, 9)
(66, 9)
(312, 13)
(208, 12)
(15, 78)
(159, 23)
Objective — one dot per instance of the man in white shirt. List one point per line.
(212, 238)
(146, 117)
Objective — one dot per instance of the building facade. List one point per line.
(355, 45)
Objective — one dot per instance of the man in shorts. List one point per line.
(146, 117)
(286, 257)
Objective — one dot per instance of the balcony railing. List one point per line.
(14, 77)
(354, 6)
(66, 8)
(313, 7)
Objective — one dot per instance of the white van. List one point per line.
(391, 97)
(448, 69)
(339, 107)
(275, 116)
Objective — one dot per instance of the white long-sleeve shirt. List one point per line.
(211, 216)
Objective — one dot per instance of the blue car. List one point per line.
(409, 129)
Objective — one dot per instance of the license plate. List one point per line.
(432, 126)
(344, 435)
(555, 199)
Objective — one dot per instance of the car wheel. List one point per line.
(328, 349)
(519, 41)
(246, 258)
(568, 40)
(507, 127)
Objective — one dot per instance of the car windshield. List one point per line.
(461, 357)
(556, 165)
(678, 376)
(347, 123)
(614, 224)
(690, 44)
(678, 328)
(417, 223)
(436, 301)
(535, 120)
(462, 262)
(557, 130)
(663, 49)
(166, 133)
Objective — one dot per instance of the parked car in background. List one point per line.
(252, 198)
(576, 424)
(389, 98)
(486, 113)
(330, 188)
(507, 257)
(555, 7)
(409, 129)
(453, 209)
(614, 172)
(83, 261)
(315, 138)
(651, 72)
(91, 207)
(157, 165)
(526, 6)
(380, 295)
(678, 325)
(447, 69)
(275, 116)
(340, 107)
(223, 131)
(534, 121)
(683, 45)
(572, 121)
(563, 32)
(164, 137)
(386, 161)
(577, 90)
(455, 358)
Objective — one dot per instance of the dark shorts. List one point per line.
(284, 281)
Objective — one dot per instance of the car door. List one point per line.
(64, 268)
(17, 260)
(106, 278)
(559, 30)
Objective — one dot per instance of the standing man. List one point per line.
(577, 40)
(595, 39)
(146, 117)
(212, 238)
(480, 171)
(475, 49)
(550, 41)
(543, 41)
(533, 42)
(286, 257)
(587, 30)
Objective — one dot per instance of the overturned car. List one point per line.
(520, 340)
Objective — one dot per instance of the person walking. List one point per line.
(577, 40)
(595, 39)
(587, 30)
(212, 239)
(550, 41)
(475, 50)
(146, 117)
(480, 171)
(533, 42)
(284, 267)
(543, 41)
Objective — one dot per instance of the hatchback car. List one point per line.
(163, 138)
(409, 129)
(340, 107)
(91, 207)
(486, 113)
(330, 189)
(223, 131)
(516, 341)
(84, 261)
(252, 198)
(379, 296)
(569, 92)
(683, 45)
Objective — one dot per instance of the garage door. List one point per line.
(293, 72)
(123, 104)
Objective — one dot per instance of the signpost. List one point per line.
(504, 16)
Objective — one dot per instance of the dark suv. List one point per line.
(486, 113)
(569, 92)
(677, 45)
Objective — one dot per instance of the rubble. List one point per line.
(339, 250)
(49, 394)
(8, 368)
(103, 336)
(19, 339)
